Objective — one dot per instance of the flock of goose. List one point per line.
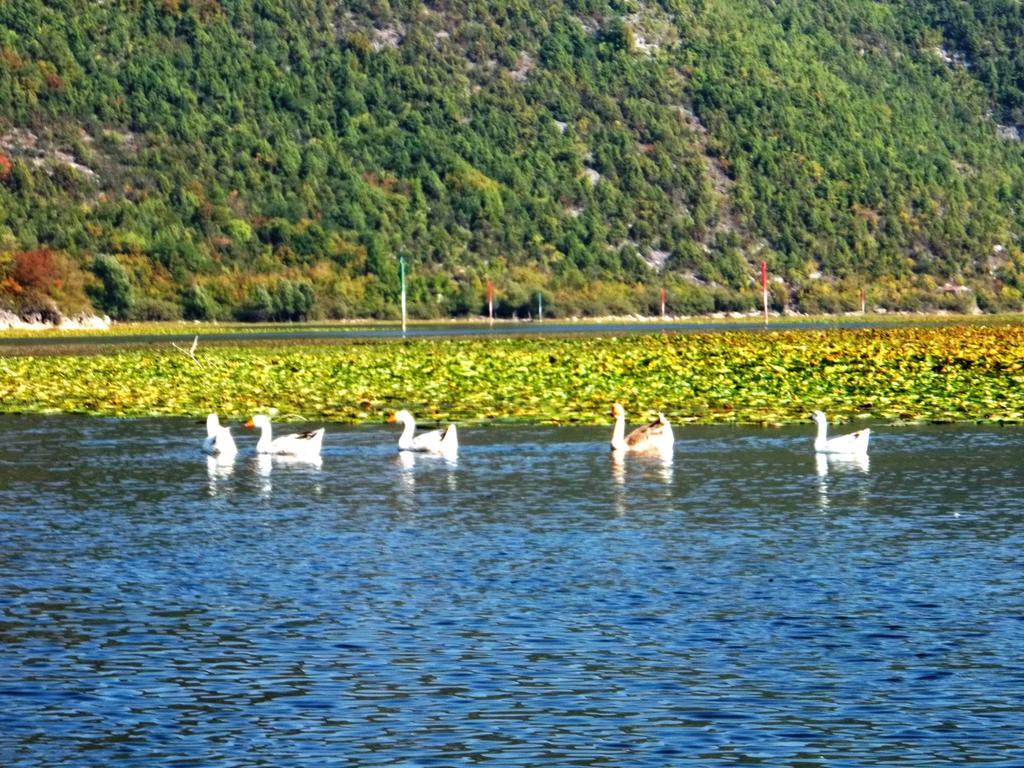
(654, 437)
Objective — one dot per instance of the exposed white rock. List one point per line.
(37, 322)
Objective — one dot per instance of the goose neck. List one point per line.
(619, 433)
(822, 438)
(405, 441)
(263, 443)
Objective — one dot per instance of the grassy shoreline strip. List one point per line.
(953, 373)
(754, 320)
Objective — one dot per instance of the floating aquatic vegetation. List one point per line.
(949, 373)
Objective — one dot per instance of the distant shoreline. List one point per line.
(100, 326)
(155, 335)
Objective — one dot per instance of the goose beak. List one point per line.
(391, 419)
(249, 424)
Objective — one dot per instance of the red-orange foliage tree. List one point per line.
(41, 270)
(43, 282)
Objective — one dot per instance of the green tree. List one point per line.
(115, 294)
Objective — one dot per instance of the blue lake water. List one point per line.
(532, 604)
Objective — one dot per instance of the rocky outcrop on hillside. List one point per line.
(36, 321)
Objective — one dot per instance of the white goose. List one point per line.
(445, 442)
(299, 444)
(653, 437)
(853, 443)
(219, 441)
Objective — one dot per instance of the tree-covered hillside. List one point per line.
(273, 159)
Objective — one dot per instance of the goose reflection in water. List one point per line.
(860, 462)
(838, 464)
(656, 463)
(265, 464)
(619, 467)
(406, 462)
(652, 464)
(664, 466)
(218, 470)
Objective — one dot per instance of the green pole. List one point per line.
(401, 271)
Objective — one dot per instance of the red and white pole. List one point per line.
(863, 302)
(764, 288)
(490, 301)
(662, 303)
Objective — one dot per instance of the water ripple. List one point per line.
(533, 603)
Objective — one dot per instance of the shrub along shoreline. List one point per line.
(954, 373)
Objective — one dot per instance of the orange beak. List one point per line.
(249, 424)
(391, 418)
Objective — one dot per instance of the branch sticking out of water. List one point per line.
(191, 351)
